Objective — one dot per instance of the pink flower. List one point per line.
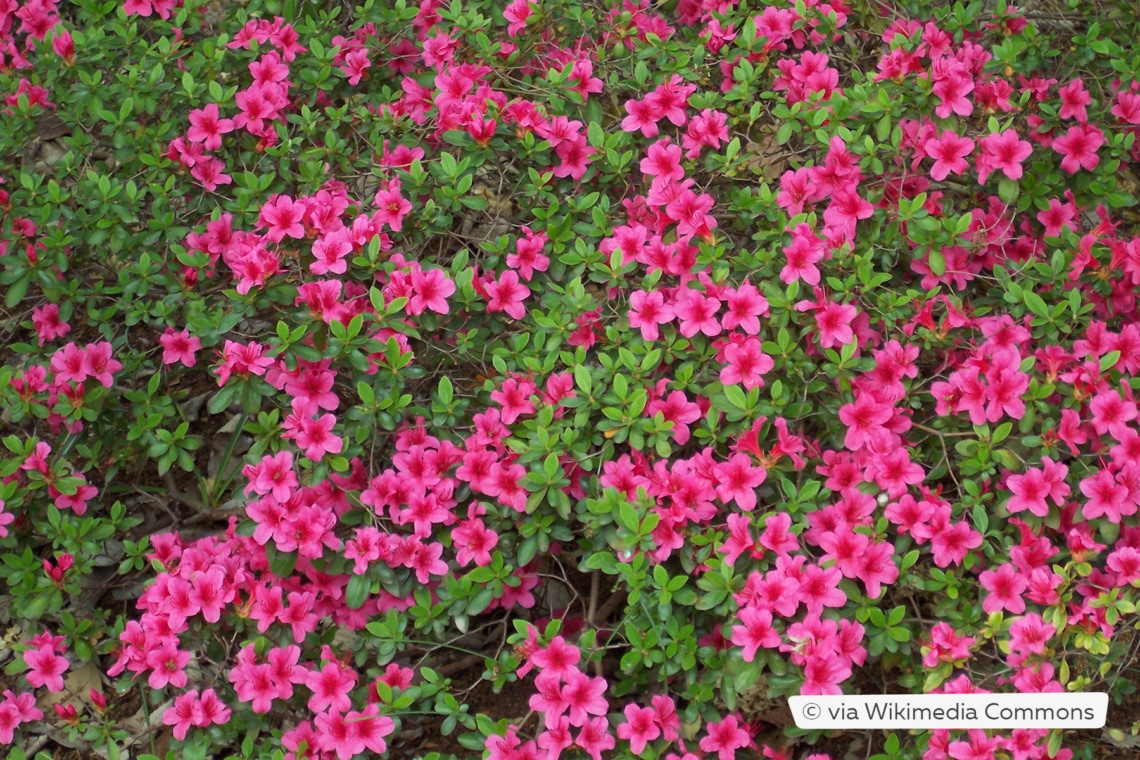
(70, 364)
(647, 311)
(865, 420)
(952, 90)
(744, 307)
(595, 737)
(45, 667)
(833, 321)
(951, 544)
(725, 738)
(207, 127)
(98, 364)
(875, 567)
(1005, 151)
(282, 216)
(274, 474)
(315, 437)
(514, 397)
(331, 686)
(805, 251)
(548, 698)
(1005, 586)
(242, 360)
(754, 632)
(168, 664)
(1074, 99)
(1106, 497)
(847, 207)
(1057, 217)
(179, 347)
(746, 364)
(1111, 414)
(1079, 146)
(574, 158)
(391, 206)
(48, 324)
(1030, 634)
(517, 14)
(662, 162)
(737, 480)
(507, 295)
(557, 658)
(182, 713)
(583, 696)
(643, 116)
(640, 727)
(697, 313)
(949, 153)
(210, 593)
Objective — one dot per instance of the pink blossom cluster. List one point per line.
(36, 19)
(16, 709)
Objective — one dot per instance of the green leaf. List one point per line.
(937, 263)
(280, 564)
(446, 391)
(357, 592)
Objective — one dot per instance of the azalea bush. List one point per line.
(564, 378)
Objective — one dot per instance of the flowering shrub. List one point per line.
(639, 363)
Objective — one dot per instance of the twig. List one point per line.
(595, 589)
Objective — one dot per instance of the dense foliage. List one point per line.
(647, 362)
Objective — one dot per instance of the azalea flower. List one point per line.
(179, 347)
(640, 727)
(1005, 151)
(1079, 148)
(724, 738)
(949, 153)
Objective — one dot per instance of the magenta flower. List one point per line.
(643, 116)
(583, 696)
(697, 313)
(331, 686)
(507, 295)
(952, 90)
(182, 713)
(746, 364)
(865, 420)
(754, 632)
(315, 437)
(725, 738)
(179, 347)
(282, 216)
(640, 727)
(70, 364)
(207, 127)
(1005, 151)
(744, 306)
(802, 255)
(951, 545)
(557, 658)
(876, 567)
(168, 664)
(663, 161)
(647, 311)
(45, 667)
(1107, 497)
(391, 207)
(1079, 147)
(738, 479)
(1005, 586)
(833, 321)
(949, 153)
(1074, 99)
(595, 737)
